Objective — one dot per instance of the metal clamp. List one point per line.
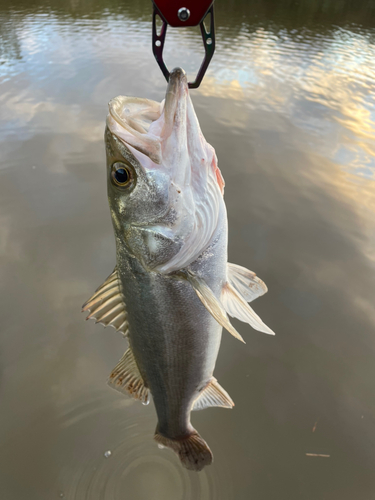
(208, 38)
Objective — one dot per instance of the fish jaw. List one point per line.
(193, 165)
(170, 150)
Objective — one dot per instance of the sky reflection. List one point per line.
(324, 84)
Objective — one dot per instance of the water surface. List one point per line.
(288, 103)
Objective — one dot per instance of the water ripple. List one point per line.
(133, 463)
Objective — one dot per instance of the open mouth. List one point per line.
(135, 114)
(141, 123)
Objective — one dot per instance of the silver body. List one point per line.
(175, 340)
(172, 287)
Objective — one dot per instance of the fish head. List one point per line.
(164, 187)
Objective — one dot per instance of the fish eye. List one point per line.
(121, 174)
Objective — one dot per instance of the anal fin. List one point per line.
(213, 395)
(126, 378)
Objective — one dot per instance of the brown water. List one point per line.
(288, 103)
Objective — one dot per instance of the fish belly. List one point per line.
(175, 342)
(174, 339)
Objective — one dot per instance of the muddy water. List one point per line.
(288, 103)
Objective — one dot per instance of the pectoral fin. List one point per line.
(245, 282)
(213, 395)
(126, 378)
(237, 307)
(107, 305)
(212, 304)
(242, 286)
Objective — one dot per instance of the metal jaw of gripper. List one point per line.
(183, 14)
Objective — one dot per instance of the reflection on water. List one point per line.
(132, 464)
(288, 103)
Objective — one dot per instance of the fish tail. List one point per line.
(192, 450)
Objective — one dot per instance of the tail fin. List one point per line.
(192, 450)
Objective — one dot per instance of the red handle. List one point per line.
(178, 13)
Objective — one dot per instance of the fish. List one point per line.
(172, 290)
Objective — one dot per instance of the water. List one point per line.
(288, 103)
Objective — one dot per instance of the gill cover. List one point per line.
(166, 139)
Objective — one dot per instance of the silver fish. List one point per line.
(172, 288)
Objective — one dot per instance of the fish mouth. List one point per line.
(144, 124)
(130, 119)
(176, 95)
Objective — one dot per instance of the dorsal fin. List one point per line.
(107, 305)
(245, 282)
(211, 303)
(126, 378)
(213, 395)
